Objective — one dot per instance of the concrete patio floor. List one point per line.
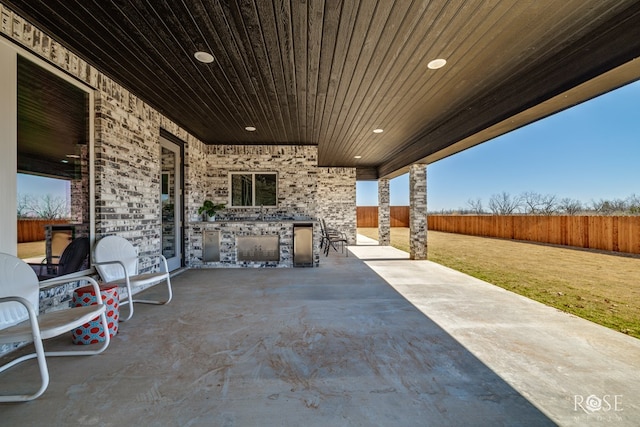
(372, 339)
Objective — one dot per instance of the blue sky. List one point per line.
(588, 152)
(37, 186)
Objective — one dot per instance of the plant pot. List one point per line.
(211, 218)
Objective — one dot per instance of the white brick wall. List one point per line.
(295, 165)
(336, 202)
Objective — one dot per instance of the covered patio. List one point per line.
(369, 339)
(148, 110)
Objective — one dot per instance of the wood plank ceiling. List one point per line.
(329, 72)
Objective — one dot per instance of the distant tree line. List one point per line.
(43, 207)
(532, 203)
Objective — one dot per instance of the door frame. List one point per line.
(173, 143)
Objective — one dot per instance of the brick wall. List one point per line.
(297, 186)
(336, 202)
(303, 188)
(127, 170)
(295, 165)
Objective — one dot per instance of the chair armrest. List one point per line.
(333, 233)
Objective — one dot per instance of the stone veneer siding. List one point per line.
(336, 202)
(303, 188)
(384, 213)
(418, 211)
(294, 164)
(297, 185)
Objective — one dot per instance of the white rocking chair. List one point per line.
(20, 321)
(116, 260)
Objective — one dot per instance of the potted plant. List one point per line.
(209, 209)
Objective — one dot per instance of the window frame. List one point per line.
(253, 188)
(9, 51)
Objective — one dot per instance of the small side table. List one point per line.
(92, 332)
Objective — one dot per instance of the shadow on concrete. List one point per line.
(334, 345)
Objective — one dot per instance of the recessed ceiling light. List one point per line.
(250, 129)
(357, 157)
(378, 130)
(204, 57)
(73, 156)
(64, 161)
(437, 63)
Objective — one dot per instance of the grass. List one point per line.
(602, 287)
(31, 249)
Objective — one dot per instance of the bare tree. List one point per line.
(539, 204)
(476, 206)
(598, 206)
(504, 204)
(25, 201)
(609, 207)
(548, 204)
(49, 207)
(633, 204)
(619, 205)
(530, 201)
(570, 206)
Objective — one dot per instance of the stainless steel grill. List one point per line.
(258, 248)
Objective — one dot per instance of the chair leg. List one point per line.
(129, 301)
(170, 296)
(44, 374)
(41, 355)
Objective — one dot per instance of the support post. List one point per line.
(384, 213)
(418, 211)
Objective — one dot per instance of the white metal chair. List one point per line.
(116, 260)
(20, 321)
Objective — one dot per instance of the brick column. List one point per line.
(384, 213)
(418, 211)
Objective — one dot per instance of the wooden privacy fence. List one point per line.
(368, 216)
(32, 230)
(609, 233)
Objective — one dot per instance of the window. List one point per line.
(254, 189)
(53, 171)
